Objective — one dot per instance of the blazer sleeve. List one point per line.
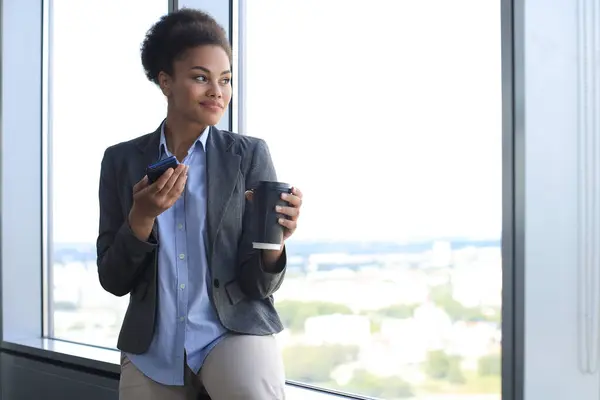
(120, 254)
(254, 281)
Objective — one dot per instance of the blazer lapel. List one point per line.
(223, 167)
(150, 151)
(149, 147)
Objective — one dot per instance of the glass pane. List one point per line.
(100, 96)
(387, 114)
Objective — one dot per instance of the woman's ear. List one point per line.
(165, 82)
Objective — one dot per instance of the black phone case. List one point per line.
(155, 170)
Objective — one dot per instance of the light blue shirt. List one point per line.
(186, 322)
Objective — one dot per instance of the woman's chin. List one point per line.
(209, 118)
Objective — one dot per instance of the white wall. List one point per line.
(552, 113)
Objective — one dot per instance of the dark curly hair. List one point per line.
(174, 34)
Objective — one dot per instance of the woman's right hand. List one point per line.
(149, 201)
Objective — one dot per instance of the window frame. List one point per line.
(25, 309)
(513, 199)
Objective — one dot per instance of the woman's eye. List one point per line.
(201, 78)
(226, 81)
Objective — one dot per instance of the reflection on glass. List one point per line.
(388, 115)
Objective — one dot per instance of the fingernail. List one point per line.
(284, 195)
(278, 208)
(280, 220)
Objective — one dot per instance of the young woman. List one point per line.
(201, 309)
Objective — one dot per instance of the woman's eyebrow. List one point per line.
(208, 71)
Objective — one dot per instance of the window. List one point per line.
(99, 97)
(388, 115)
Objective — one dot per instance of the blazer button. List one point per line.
(216, 283)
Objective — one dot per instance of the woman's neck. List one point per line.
(180, 135)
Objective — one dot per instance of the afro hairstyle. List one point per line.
(175, 33)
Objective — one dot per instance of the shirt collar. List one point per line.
(163, 140)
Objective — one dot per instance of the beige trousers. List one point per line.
(240, 367)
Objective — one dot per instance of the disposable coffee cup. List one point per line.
(266, 196)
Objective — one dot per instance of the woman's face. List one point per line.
(200, 88)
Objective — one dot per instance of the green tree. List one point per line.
(490, 365)
(314, 364)
(294, 313)
(398, 311)
(494, 315)
(366, 384)
(437, 364)
(441, 296)
(455, 374)
(375, 326)
(441, 366)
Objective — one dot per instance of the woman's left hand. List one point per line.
(292, 211)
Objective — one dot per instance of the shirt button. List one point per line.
(216, 283)
(181, 256)
(182, 286)
(180, 226)
(181, 319)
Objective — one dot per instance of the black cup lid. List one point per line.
(275, 185)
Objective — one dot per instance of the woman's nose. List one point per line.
(215, 91)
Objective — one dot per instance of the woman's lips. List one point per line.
(213, 107)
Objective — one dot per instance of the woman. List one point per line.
(201, 309)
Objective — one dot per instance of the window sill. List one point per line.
(105, 362)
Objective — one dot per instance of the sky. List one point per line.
(387, 114)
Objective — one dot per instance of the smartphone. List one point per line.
(154, 171)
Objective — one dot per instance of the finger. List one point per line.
(160, 183)
(178, 189)
(166, 181)
(143, 183)
(172, 179)
(288, 223)
(249, 194)
(292, 199)
(297, 192)
(291, 212)
(179, 186)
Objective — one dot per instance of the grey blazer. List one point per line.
(242, 292)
